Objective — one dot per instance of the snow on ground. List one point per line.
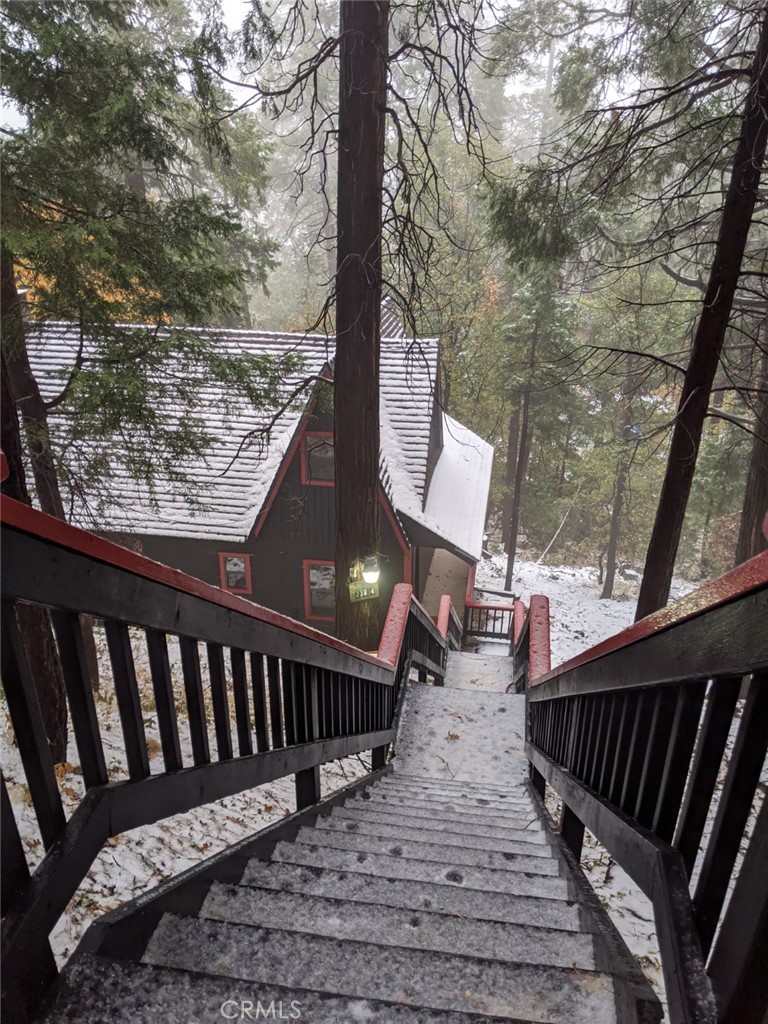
(578, 618)
(132, 863)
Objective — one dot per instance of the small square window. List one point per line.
(235, 573)
(319, 591)
(317, 459)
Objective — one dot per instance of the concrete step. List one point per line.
(467, 797)
(445, 933)
(397, 847)
(485, 672)
(368, 971)
(438, 872)
(445, 784)
(438, 805)
(531, 846)
(451, 823)
(94, 990)
(414, 895)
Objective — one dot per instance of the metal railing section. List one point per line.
(263, 697)
(655, 741)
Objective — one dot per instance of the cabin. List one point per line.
(261, 521)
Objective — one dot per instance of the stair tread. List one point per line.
(457, 798)
(440, 981)
(447, 933)
(399, 774)
(414, 895)
(530, 844)
(490, 880)
(445, 806)
(443, 824)
(97, 989)
(395, 846)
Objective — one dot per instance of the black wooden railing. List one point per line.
(485, 621)
(655, 741)
(283, 699)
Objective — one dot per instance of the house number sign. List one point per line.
(363, 591)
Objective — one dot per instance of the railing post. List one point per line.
(538, 781)
(307, 787)
(379, 757)
(572, 831)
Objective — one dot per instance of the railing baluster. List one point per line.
(597, 744)
(713, 736)
(240, 694)
(219, 700)
(301, 703)
(741, 781)
(609, 743)
(655, 754)
(24, 709)
(289, 701)
(641, 728)
(15, 873)
(259, 702)
(82, 707)
(165, 706)
(128, 700)
(193, 689)
(275, 703)
(621, 753)
(678, 758)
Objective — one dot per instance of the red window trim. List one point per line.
(223, 555)
(306, 477)
(306, 563)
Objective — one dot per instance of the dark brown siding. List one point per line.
(299, 525)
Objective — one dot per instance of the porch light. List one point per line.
(371, 569)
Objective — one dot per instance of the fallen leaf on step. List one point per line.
(453, 735)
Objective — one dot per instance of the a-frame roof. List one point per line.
(230, 492)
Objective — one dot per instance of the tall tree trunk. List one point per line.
(34, 622)
(513, 445)
(521, 468)
(613, 537)
(364, 28)
(755, 507)
(738, 209)
(29, 401)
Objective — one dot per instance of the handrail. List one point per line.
(308, 697)
(529, 643)
(449, 624)
(632, 735)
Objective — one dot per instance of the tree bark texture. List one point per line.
(34, 622)
(29, 401)
(738, 210)
(521, 468)
(513, 444)
(362, 100)
(755, 507)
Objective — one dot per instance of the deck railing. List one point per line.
(485, 621)
(655, 741)
(529, 644)
(300, 698)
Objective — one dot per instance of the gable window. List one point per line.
(317, 458)
(319, 591)
(235, 572)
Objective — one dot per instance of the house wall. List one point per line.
(447, 575)
(298, 526)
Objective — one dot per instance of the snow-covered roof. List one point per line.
(232, 491)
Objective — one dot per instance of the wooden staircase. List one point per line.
(437, 892)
